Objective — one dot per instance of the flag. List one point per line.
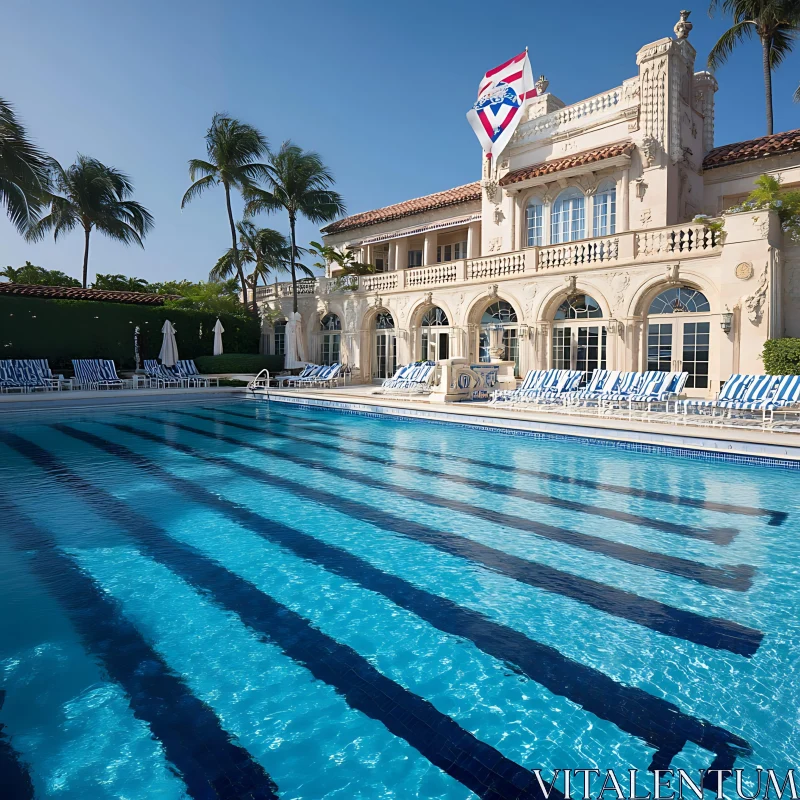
(502, 94)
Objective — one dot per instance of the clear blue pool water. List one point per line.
(244, 600)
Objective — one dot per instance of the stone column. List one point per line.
(401, 254)
(391, 258)
(429, 248)
(624, 202)
(474, 240)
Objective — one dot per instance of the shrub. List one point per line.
(238, 363)
(782, 357)
(60, 330)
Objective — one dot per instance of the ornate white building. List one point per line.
(577, 248)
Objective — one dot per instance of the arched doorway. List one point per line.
(384, 346)
(330, 339)
(579, 335)
(434, 335)
(499, 329)
(679, 335)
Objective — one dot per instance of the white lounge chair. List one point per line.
(734, 389)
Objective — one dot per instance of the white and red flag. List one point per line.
(502, 94)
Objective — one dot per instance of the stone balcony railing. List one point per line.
(623, 249)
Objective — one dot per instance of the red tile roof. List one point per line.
(774, 145)
(450, 197)
(76, 293)
(568, 162)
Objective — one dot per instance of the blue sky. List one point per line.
(379, 89)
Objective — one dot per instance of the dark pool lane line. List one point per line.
(659, 723)
(775, 517)
(720, 536)
(737, 577)
(713, 632)
(15, 780)
(208, 761)
(477, 765)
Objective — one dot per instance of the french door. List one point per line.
(681, 345)
(385, 363)
(435, 344)
(580, 347)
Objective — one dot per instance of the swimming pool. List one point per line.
(244, 599)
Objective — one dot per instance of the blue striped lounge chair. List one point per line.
(658, 387)
(322, 375)
(629, 384)
(734, 389)
(283, 380)
(602, 381)
(417, 381)
(306, 377)
(160, 375)
(188, 369)
(533, 379)
(786, 397)
(556, 386)
(96, 373)
(9, 380)
(399, 375)
(330, 377)
(25, 376)
(41, 368)
(757, 394)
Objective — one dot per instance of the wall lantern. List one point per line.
(726, 321)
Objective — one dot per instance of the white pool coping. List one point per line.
(743, 445)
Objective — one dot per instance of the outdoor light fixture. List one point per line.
(726, 321)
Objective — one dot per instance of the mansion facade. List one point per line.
(582, 247)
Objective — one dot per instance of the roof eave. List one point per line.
(623, 160)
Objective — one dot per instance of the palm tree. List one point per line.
(268, 250)
(233, 152)
(91, 195)
(775, 22)
(23, 171)
(301, 184)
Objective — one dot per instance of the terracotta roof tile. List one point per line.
(567, 162)
(450, 197)
(76, 293)
(776, 144)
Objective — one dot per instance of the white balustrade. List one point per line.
(499, 266)
(379, 282)
(435, 275)
(590, 251)
(688, 238)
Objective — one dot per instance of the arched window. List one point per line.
(280, 337)
(498, 329)
(680, 299)
(384, 346)
(682, 341)
(568, 221)
(331, 322)
(331, 339)
(434, 345)
(534, 218)
(499, 312)
(434, 316)
(605, 209)
(384, 321)
(580, 306)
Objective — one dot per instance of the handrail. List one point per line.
(259, 382)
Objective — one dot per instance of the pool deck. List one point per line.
(723, 441)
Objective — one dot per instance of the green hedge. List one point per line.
(782, 357)
(238, 363)
(60, 330)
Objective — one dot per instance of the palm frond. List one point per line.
(199, 167)
(197, 188)
(796, 96)
(726, 43)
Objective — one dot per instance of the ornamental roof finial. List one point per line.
(683, 26)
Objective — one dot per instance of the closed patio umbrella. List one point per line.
(218, 331)
(169, 346)
(295, 350)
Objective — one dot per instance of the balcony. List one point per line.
(624, 249)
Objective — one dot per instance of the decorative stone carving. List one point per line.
(572, 282)
(503, 163)
(490, 188)
(754, 303)
(377, 302)
(428, 298)
(492, 291)
(744, 271)
(499, 216)
(673, 274)
(620, 281)
(653, 109)
(650, 148)
(541, 85)
(495, 244)
(645, 217)
(683, 26)
(529, 293)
